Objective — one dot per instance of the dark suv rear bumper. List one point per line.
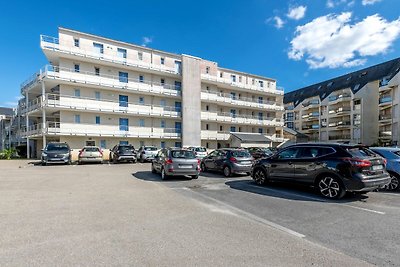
(365, 185)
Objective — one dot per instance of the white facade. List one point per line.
(101, 91)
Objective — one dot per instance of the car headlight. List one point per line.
(66, 155)
(44, 154)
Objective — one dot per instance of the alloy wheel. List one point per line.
(329, 187)
(259, 177)
(227, 171)
(394, 183)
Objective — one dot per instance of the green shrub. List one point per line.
(8, 153)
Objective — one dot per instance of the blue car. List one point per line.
(392, 155)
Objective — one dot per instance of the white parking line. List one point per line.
(318, 199)
(247, 215)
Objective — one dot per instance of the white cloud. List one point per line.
(278, 22)
(330, 4)
(296, 13)
(147, 40)
(332, 41)
(369, 2)
(334, 3)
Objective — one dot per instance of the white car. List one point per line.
(199, 151)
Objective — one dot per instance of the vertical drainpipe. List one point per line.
(43, 99)
(27, 124)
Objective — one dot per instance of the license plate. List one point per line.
(377, 167)
(185, 166)
(245, 162)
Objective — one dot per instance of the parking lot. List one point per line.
(122, 214)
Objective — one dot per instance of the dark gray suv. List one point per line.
(229, 161)
(56, 153)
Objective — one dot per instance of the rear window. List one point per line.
(150, 148)
(58, 147)
(91, 149)
(200, 149)
(183, 154)
(360, 152)
(240, 154)
(126, 148)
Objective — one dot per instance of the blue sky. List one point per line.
(296, 42)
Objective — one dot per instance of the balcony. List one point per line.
(67, 75)
(311, 103)
(385, 117)
(80, 129)
(229, 83)
(340, 111)
(340, 124)
(385, 134)
(243, 101)
(339, 137)
(53, 44)
(339, 98)
(240, 119)
(215, 135)
(311, 116)
(66, 102)
(314, 127)
(385, 100)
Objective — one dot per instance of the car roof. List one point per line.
(326, 144)
(385, 148)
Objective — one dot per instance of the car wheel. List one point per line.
(44, 163)
(331, 187)
(394, 183)
(141, 160)
(227, 171)
(195, 176)
(164, 176)
(152, 169)
(260, 176)
(203, 167)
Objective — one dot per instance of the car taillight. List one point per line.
(80, 153)
(361, 163)
(232, 159)
(384, 161)
(168, 161)
(101, 152)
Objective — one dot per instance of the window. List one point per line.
(233, 95)
(207, 145)
(261, 83)
(97, 95)
(141, 78)
(178, 127)
(123, 100)
(163, 103)
(98, 48)
(313, 152)
(178, 85)
(76, 67)
(220, 128)
(77, 92)
(178, 106)
(123, 124)
(103, 144)
(123, 77)
(162, 124)
(221, 74)
(207, 108)
(141, 143)
(260, 130)
(123, 143)
(260, 116)
(162, 60)
(289, 116)
(260, 100)
(121, 53)
(233, 78)
(290, 153)
(207, 126)
(253, 81)
(97, 119)
(76, 42)
(162, 144)
(141, 100)
(233, 129)
(240, 79)
(178, 66)
(141, 122)
(97, 71)
(289, 125)
(233, 113)
(91, 143)
(162, 82)
(77, 118)
(179, 144)
(207, 70)
(140, 55)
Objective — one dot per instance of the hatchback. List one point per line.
(56, 153)
(229, 161)
(147, 153)
(90, 154)
(332, 169)
(199, 151)
(392, 155)
(176, 162)
(125, 152)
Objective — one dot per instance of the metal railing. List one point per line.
(339, 137)
(385, 99)
(48, 42)
(385, 117)
(339, 97)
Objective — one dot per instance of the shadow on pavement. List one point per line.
(155, 177)
(290, 191)
(215, 174)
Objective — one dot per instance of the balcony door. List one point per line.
(178, 127)
(124, 124)
(123, 101)
(178, 106)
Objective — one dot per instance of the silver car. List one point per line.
(176, 162)
(90, 154)
(147, 153)
(392, 155)
(199, 151)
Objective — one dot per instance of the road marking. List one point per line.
(319, 200)
(247, 215)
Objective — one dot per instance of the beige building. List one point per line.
(98, 91)
(360, 107)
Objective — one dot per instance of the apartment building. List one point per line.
(359, 107)
(5, 122)
(98, 91)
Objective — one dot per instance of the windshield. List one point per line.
(183, 154)
(58, 147)
(91, 149)
(200, 149)
(150, 148)
(241, 154)
(360, 152)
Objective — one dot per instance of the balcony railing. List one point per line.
(241, 119)
(385, 134)
(277, 90)
(339, 97)
(340, 110)
(385, 117)
(52, 43)
(86, 77)
(80, 129)
(311, 103)
(385, 99)
(311, 127)
(339, 137)
(103, 105)
(242, 101)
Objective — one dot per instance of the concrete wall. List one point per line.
(191, 101)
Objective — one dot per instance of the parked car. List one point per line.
(176, 162)
(392, 155)
(121, 153)
(229, 161)
(199, 151)
(146, 153)
(260, 152)
(332, 169)
(56, 153)
(90, 154)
